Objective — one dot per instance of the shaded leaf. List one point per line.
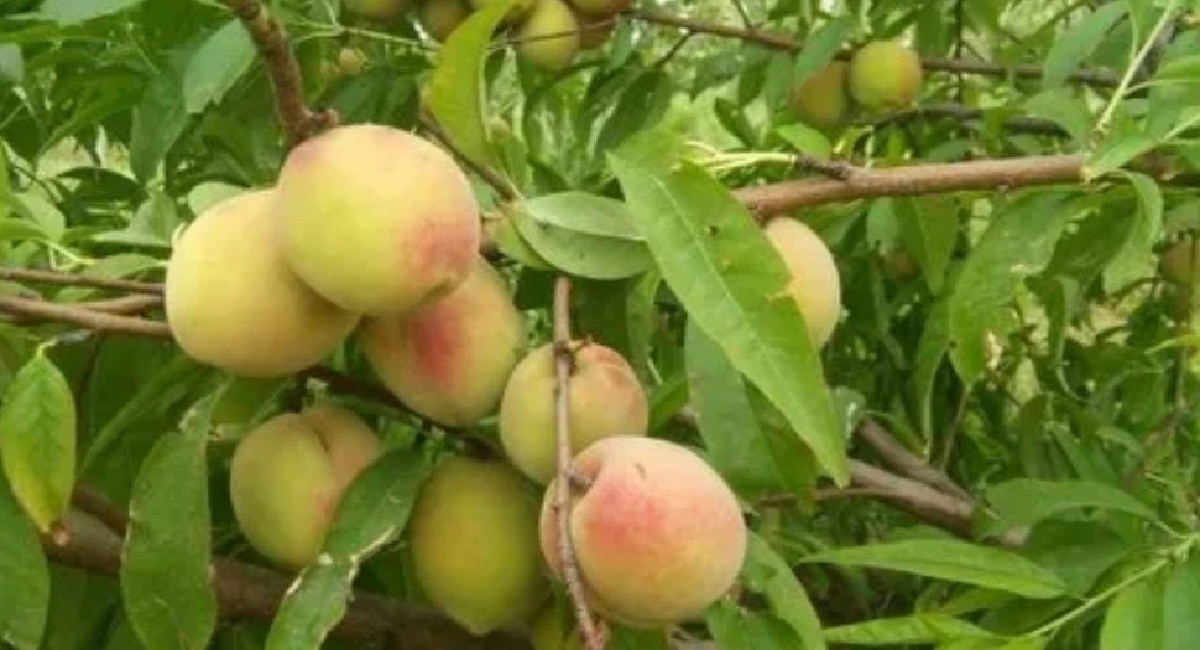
(582, 234)
(24, 578)
(1026, 501)
(731, 281)
(926, 627)
(70, 12)
(37, 440)
(165, 576)
(767, 573)
(820, 46)
(1074, 45)
(733, 627)
(954, 561)
(216, 66)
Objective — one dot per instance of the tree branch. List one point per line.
(90, 319)
(777, 41)
(904, 461)
(914, 180)
(250, 592)
(299, 122)
(75, 279)
(563, 367)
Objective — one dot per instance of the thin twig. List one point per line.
(90, 500)
(774, 40)
(951, 111)
(563, 362)
(836, 169)
(75, 279)
(503, 187)
(89, 319)
(906, 462)
(124, 305)
(299, 122)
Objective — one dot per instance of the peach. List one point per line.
(602, 7)
(288, 475)
(554, 628)
(594, 31)
(548, 37)
(820, 100)
(381, 10)
(474, 543)
(605, 400)
(1180, 263)
(441, 17)
(815, 284)
(375, 219)
(885, 76)
(233, 302)
(658, 535)
(449, 360)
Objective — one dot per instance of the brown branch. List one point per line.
(777, 41)
(89, 500)
(836, 169)
(74, 279)
(906, 462)
(89, 319)
(914, 180)
(299, 122)
(125, 306)
(247, 592)
(563, 364)
(490, 176)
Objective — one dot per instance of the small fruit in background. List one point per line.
(380, 10)
(287, 477)
(351, 61)
(1180, 262)
(441, 17)
(658, 535)
(594, 31)
(885, 76)
(605, 400)
(820, 100)
(474, 545)
(233, 302)
(375, 219)
(450, 360)
(815, 284)
(548, 37)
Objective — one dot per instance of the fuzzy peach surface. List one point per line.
(658, 534)
(375, 219)
(449, 360)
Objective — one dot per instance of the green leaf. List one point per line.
(216, 66)
(954, 561)
(1133, 620)
(1185, 69)
(805, 139)
(37, 440)
(456, 90)
(12, 63)
(72, 12)
(767, 573)
(1181, 604)
(733, 627)
(731, 282)
(372, 513)
(582, 234)
(1135, 258)
(725, 417)
(1018, 243)
(165, 576)
(24, 578)
(1026, 501)
(1115, 151)
(921, 628)
(929, 230)
(153, 224)
(820, 46)
(159, 118)
(1074, 45)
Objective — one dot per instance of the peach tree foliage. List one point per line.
(996, 448)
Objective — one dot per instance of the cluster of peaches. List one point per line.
(374, 233)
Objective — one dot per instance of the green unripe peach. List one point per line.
(657, 533)
(475, 549)
(820, 100)
(548, 37)
(449, 360)
(1180, 263)
(885, 75)
(554, 628)
(381, 10)
(376, 219)
(233, 302)
(602, 7)
(441, 17)
(815, 284)
(288, 475)
(605, 399)
(351, 61)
